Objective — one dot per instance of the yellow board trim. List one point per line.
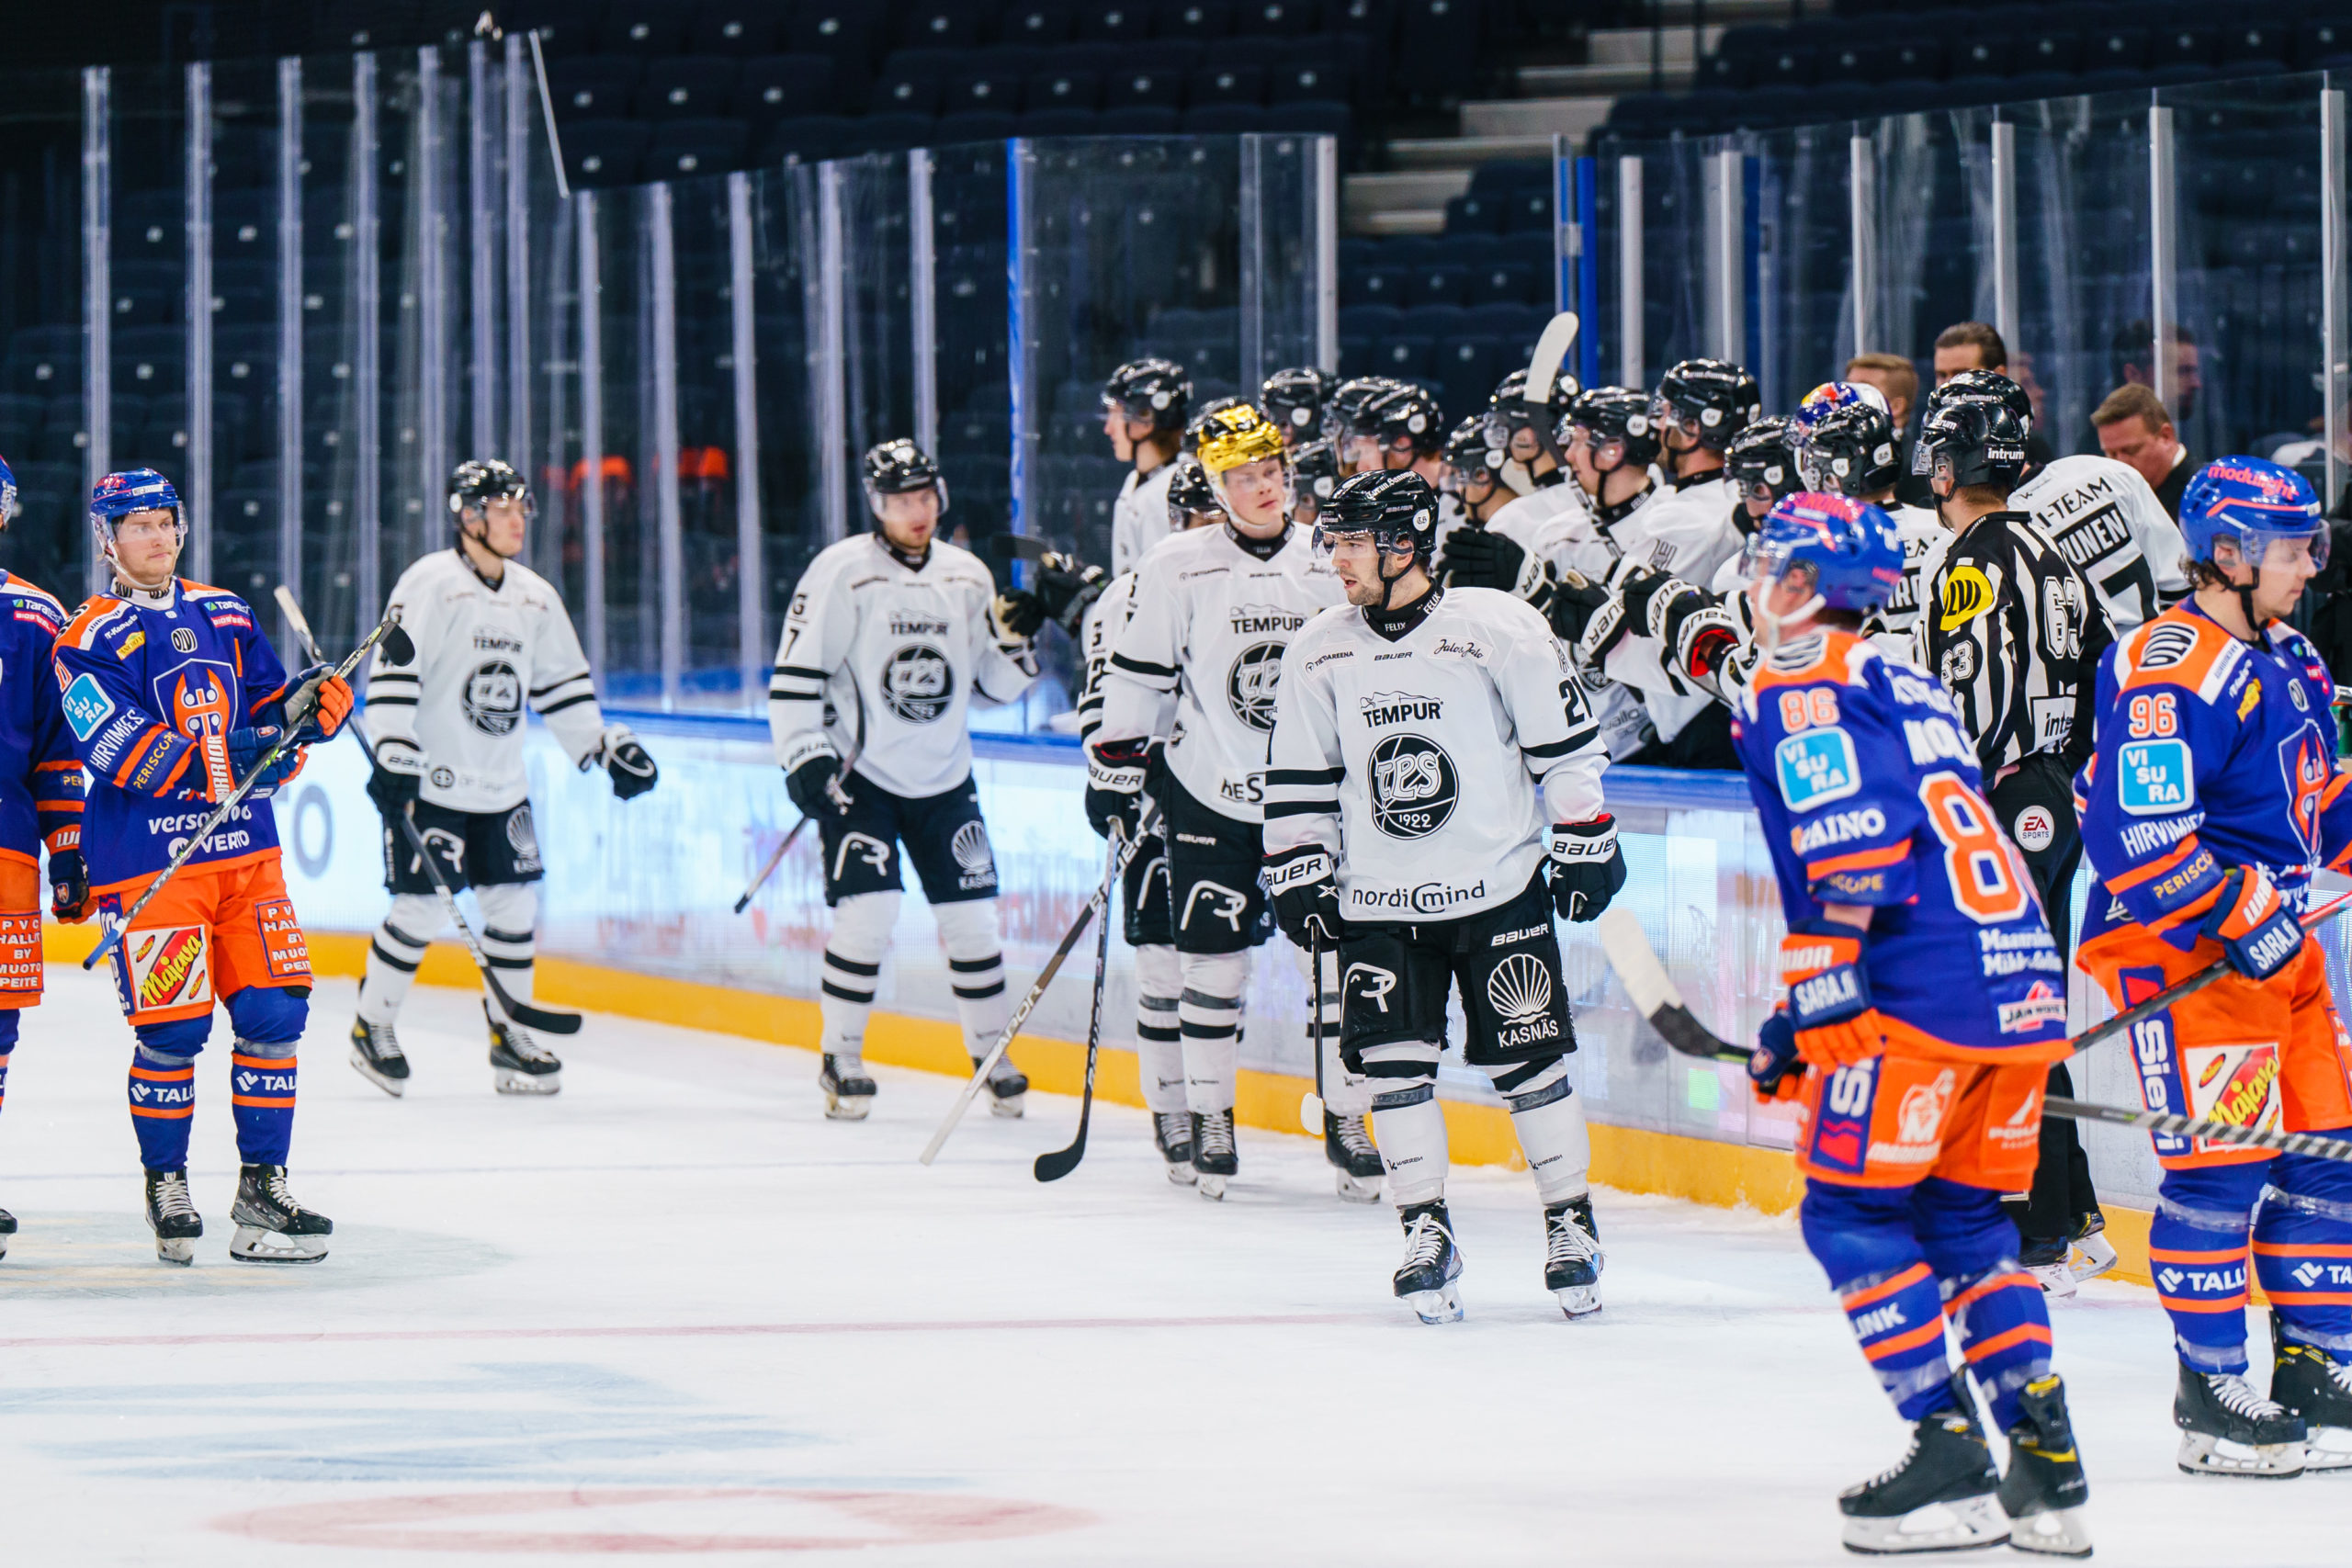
(1629, 1159)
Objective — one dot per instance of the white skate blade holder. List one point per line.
(396, 1087)
(1579, 1301)
(1354, 1189)
(2059, 1532)
(1963, 1526)
(2202, 1453)
(253, 1245)
(1212, 1186)
(1440, 1305)
(2329, 1447)
(180, 1250)
(506, 1080)
(2057, 1280)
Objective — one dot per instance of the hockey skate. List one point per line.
(1216, 1159)
(1572, 1256)
(2226, 1428)
(518, 1064)
(1355, 1163)
(173, 1217)
(2308, 1383)
(1172, 1131)
(849, 1093)
(271, 1226)
(1425, 1281)
(376, 1055)
(2091, 1254)
(1943, 1496)
(7, 1231)
(1008, 1087)
(2044, 1492)
(2046, 1261)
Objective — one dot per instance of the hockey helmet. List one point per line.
(478, 481)
(896, 467)
(1470, 455)
(1191, 445)
(1404, 418)
(1971, 439)
(1832, 395)
(1293, 399)
(1232, 437)
(1710, 400)
(118, 495)
(1847, 550)
(7, 494)
(1612, 416)
(1153, 389)
(2251, 503)
(1191, 496)
(1850, 450)
(1761, 461)
(1989, 384)
(1314, 470)
(1394, 506)
(1345, 407)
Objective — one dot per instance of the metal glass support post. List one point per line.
(2164, 280)
(1862, 194)
(1016, 335)
(1252, 263)
(592, 426)
(1325, 226)
(750, 575)
(1588, 174)
(289, 321)
(832, 401)
(1630, 357)
(481, 250)
(922, 298)
(672, 560)
(519, 258)
(197, 499)
(1726, 256)
(1566, 237)
(367, 354)
(432, 286)
(2333, 277)
(2005, 231)
(97, 291)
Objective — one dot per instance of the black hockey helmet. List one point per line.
(1510, 410)
(1394, 506)
(1850, 450)
(1293, 399)
(1972, 439)
(1154, 389)
(1711, 401)
(478, 481)
(1344, 408)
(1314, 471)
(896, 467)
(1611, 415)
(1404, 416)
(1470, 453)
(1989, 384)
(1762, 459)
(1190, 445)
(1190, 495)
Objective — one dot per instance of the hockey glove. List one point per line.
(1066, 587)
(1587, 868)
(2259, 935)
(626, 763)
(246, 749)
(1305, 884)
(1773, 1066)
(1829, 1000)
(1015, 616)
(69, 886)
(315, 713)
(399, 773)
(1115, 776)
(1574, 604)
(815, 785)
(1477, 556)
(1701, 630)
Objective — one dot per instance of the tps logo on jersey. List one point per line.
(1967, 593)
(1222, 902)
(1816, 767)
(1376, 984)
(2155, 778)
(1414, 787)
(918, 684)
(168, 968)
(1249, 684)
(86, 707)
(493, 697)
(973, 857)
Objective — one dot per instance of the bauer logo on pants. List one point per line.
(169, 968)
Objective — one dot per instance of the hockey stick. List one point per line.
(2310, 1144)
(299, 707)
(1096, 905)
(519, 1012)
(841, 797)
(1053, 1166)
(1311, 1106)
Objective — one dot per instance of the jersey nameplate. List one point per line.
(2155, 778)
(1816, 767)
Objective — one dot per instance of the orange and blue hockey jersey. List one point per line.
(40, 777)
(1869, 795)
(150, 690)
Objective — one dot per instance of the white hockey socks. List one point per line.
(393, 954)
(1344, 1093)
(1208, 1013)
(1406, 1120)
(854, 951)
(510, 918)
(968, 932)
(1548, 1115)
(1159, 1043)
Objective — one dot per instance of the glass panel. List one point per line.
(248, 466)
(707, 445)
(41, 329)
(791, 510)
(1803, 322)
(967, 201)
(149, 275)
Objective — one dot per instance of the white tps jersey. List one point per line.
(886, 658)
(1555, 525)
(1096, 632)
(1140, 517)
(1200, 657)
(455, 716)
(1686, 533)
(1430, 767)
(2112, 529)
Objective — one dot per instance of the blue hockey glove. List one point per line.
(247, 747)
(1829, 1000)
(1774, 1068)
(2259, 935)
(69, 885)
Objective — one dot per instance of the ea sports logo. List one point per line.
(1413, 786)
(2035, 828)
(1249, 684)
(917, 683)
(1520, 988)
(493, 699)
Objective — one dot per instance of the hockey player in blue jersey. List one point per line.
(2212, 798)
(172, 698)
(1924, 1001)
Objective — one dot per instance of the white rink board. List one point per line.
(675, 1302)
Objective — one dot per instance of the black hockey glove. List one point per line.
(815, 785)
(626, 763)
(1305, 884)
(1066, 587)
(1017, 614)
(1574, 604)
(1115, 783)
(1476, 556)
(398, 774)
(1773, 1066)
(69, 885)
(1587, 868)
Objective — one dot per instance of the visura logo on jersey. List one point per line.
(1816, 767)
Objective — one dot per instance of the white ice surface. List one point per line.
(673, 1312)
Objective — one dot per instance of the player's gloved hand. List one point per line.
(1305, 888)
(1829, 1000)
(1067, 586)
(398, 774)
(1016, 615)
(1477, 556)
(1639, 587)
(815, 784)
(1574, 604)
(626, 763)
(69, 885)
(317, 712)
(2259, 935)
(1115, 773)
(1587, 868)
(246, 749)
(1699, 629)
(1774, 1066)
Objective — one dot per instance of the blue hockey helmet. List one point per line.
(1848, 547)
(2250, 501)
(7, 494)
(1837, 395)
(118, 495)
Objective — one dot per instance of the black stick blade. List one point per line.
(397, 646)
(1053, 1166)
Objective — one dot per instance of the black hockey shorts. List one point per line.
(1150, 923)
(2035, 805)
(1394, 981)
(475, 849)
(1217, 888)
(943, 834)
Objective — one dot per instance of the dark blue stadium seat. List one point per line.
(1139, 119)
(2184, 45)
(1224, 85)
(1356, 355)
(682, 149)
(1313, 120)
(2049, 50)
(1528, 212)
(1371, 320)
(982, 90)
(1048, 90)
(1275, 18)
(1440, 39)
(741, 28)
(594, 86)
(1506, 175)
(1143, 87)
(2320, 41)
(1387, 284)
(1225, 119)
(1059, 122)
(1504, 283)
(2117, 48)
(604, 151)
(1983, 54)
(889, 132)
(975, 125)
(774, 85)
(804, 139)
(847, 33)
(1466, 371)
(2258, 39)
(1405, 358)
(642, 28)
(1037, 22)
(21, 417)
(942, 24)
(1443, 283)
(1118, 21)
(688, 87)
(1191, 19)
(1474, 214)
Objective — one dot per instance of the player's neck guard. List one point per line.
(492, 583)
(1264, 549)
(161, 598)
(1391, 624)
(1611, 515)
(913, 560)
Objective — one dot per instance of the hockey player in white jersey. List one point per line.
(1294, 400)
(1187, 708)
(1434, 801)
(490, 636)
(1145, 403)
(891, 637)
(1854, 450)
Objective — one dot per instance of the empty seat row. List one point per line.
(1935, 45)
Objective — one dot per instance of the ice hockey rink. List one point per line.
(674, 1313)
